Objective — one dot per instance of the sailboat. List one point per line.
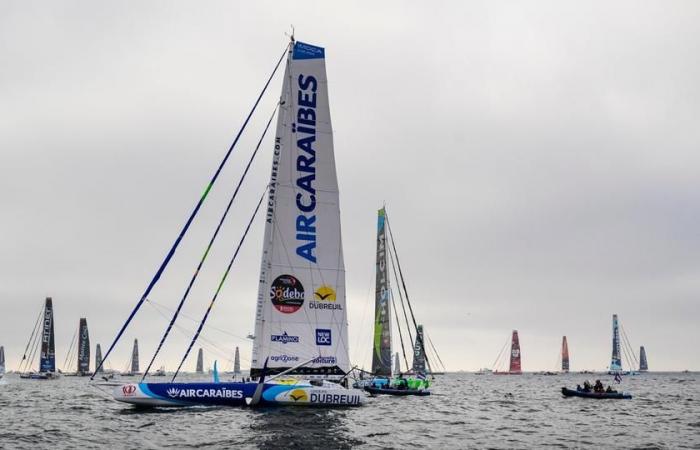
(2, 361)
(237, 365)
(300, 348)
(515, 367)
(617, 351)
(397, 363)
(134, 362)
(200, 361)
(643, 365)
(98, 359)
(564, 355)
(42, 335)
(83, 351)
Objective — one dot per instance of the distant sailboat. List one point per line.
(200, 361)
(98, 359)
(300, 323)
(564, 356)
(47, 355)
(515, 366)
(381, 354)
(236, 365)
(2, 361)
(643, 365)
(134, 362)
(83, 349)
(397, 363)
(616, 359)
(419, 360)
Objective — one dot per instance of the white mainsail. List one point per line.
(301, 310)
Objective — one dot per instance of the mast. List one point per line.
(643, 365)
(83, 348)
(98, 359)
(47, 362)
(515, 366)
(135, 357)
(564, 356)
(381, 355)
(236, 363)
(200, 361)
(301, 309)
(616, 360)
(419, 353)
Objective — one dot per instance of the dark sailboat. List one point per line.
(515, 366)
(643, 365)
(564, 356)
(47, 354)
(200, 361)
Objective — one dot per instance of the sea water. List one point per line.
(465, 411)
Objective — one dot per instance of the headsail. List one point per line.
(643, 365)
(83, 348)
(515, 366)
(616, 361)
(381, 356)
(47, 362)
(301, 309)
(419, 352)
(135, 357)
(564, 355)
(98, 359)
(200, 361)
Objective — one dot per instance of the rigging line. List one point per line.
(211, 242)
(419, 338)
(31, 336)
(430, 341)
(221, 284)
(170, 254)
(155, 305)
(70, 349)
(493, 366)
(403, 308)
(630, 349)
(403, 350)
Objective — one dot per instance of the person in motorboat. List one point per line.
(400, 382)
(579, 388)
(598, 387)
(610, 390)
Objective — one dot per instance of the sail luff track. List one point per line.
(208, 248)
(175, 245)
(221, 284)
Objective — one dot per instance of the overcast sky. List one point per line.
(539, 162)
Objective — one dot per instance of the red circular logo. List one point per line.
(128, 389)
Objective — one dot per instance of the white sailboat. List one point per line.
(300, 350)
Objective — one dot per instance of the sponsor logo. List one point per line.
(324, 298)
(305, 131)
(299, 395)
(515, 353)
(334, 399)
(323, 336)
(324, 360)
(204, 393)
(284, 338)
(284, 358)
(128, 389)
(287, 294)
(325, 293)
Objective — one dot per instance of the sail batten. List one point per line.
(301, 311)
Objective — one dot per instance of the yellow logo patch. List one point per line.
(325, 293)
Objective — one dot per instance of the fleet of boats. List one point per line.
(300, 352)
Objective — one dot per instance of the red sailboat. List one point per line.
(515, 367)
